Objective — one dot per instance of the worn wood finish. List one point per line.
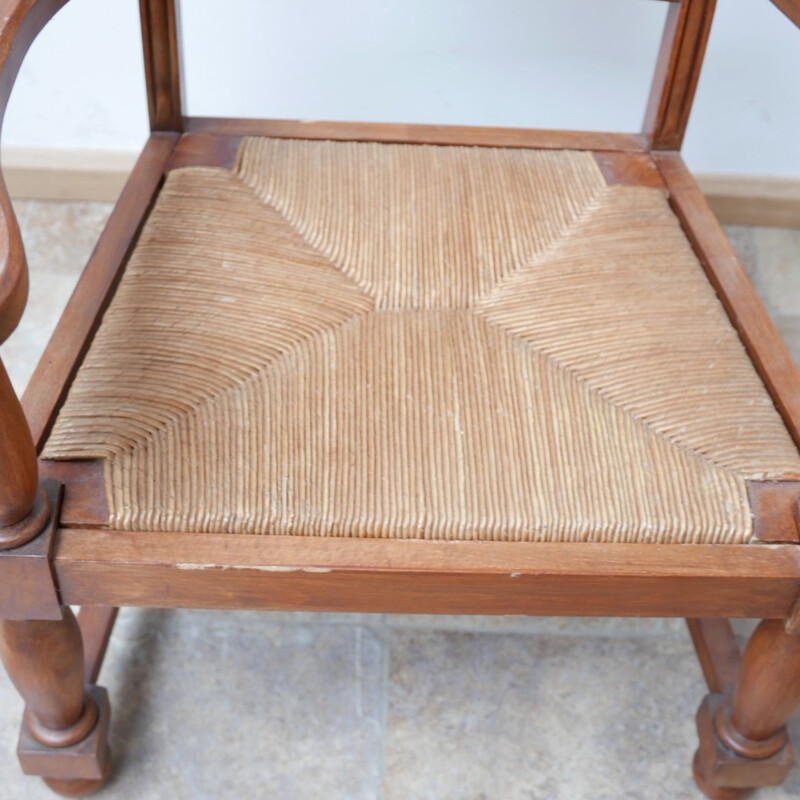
(283, 572)
(72, 335)
(45, 661)
(792, 622)
(72, 771)
(629, 169)
(767, 692)
(418, 134)
(28, 588)
(84, 503)
(718, 652)
(206, 150)
(773, 504)
(160, 38)
(722, 774)
(764, 344)
(743, 738)
(677, 73)
(96, 624)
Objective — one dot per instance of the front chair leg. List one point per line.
(743, 738)
(64, 735)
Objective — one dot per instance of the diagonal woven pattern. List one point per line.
(355, 339)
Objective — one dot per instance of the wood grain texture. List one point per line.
(24, 506)
(28, 587)
(717, 651)
(629, 169)
(471, 343)
(64, 732)
(677, 73)
(96, 624)
(162, 57)
(48, 385)
(19, 482)
(418, 134)
(764, 344)
(206, 150)
(773, 504)
(721, 772)
(44, 659)
(84, 504)
(369, 575)
(767, 693)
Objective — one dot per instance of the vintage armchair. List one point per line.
(400, 368)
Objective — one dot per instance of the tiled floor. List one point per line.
(351, 707)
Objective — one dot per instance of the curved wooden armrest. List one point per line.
(20, 22)
(791, 8)
(24, 509)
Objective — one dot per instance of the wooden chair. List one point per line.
(400, 368)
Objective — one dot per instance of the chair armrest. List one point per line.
(20, 23)
(791, 8)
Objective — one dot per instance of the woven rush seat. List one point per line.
(415, 341)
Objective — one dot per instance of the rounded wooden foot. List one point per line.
(79, 788)
(716, 792)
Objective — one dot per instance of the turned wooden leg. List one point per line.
(743, 738)
(64, 733)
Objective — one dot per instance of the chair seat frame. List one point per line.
(56, 548)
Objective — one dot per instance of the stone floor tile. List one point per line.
(209, 705)
(647, 628)
(779, 263)
(626, 627)
(48, 294)
(59, 237)
(542, 718)
(743, 238)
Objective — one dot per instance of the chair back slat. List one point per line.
(162, 63)
(677, 72)
(672, 93)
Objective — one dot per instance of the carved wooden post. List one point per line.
(21, 517)
(162, 63)
(64, 732)
(743, 739)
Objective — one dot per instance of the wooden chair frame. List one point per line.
(56, 549)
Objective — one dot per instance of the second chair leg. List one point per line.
(743, 738)
(65, 729)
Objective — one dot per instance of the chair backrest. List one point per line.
(677, 70)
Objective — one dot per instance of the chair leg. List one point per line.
(743, 738)
(64, 736)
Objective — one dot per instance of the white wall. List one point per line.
(548, 63)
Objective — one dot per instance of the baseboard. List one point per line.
(48, 174)
(753, 200)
